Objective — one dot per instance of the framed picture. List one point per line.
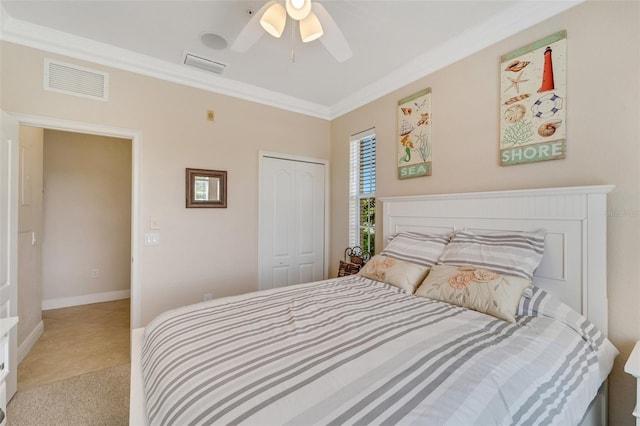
(414, 135)
(533, 96)
(206, 188)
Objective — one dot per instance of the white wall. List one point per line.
(87, 217)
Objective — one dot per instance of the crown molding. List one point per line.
(46, 39)
(520, 16)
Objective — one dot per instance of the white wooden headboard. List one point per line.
(574, 265)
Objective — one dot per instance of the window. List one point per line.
(362, 194)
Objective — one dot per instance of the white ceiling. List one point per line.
(393, 43)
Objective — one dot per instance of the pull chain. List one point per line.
(293, 38)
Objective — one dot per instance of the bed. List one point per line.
(356, 350)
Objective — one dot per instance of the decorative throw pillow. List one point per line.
(395, 272)
(510, 252)
(423, 249)
(475, 288)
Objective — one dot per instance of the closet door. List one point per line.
(292, 210)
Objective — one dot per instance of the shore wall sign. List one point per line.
(533, 95)
(414, 135)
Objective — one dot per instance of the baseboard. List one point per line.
(32, 338)
(65, 302)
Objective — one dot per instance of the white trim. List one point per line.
(520, 16)
(568, 190)
(31, 340)
(292, 157)
(43, 38)
(325, 163)
(136, 161)
(86, 299)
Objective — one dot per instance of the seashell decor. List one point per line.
(515, 113)
(549, 128)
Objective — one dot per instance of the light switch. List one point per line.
(152, 239)
(154, 223)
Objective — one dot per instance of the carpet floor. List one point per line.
(93, 399)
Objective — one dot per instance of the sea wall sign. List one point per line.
(533, 94)
(414, 135)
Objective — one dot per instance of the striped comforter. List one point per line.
(355, 351)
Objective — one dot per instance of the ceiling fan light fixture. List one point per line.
(310, 28)
(274, 20)
(298, 9)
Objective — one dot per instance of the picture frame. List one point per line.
(414, 135)
(533, 93)
(206, 188)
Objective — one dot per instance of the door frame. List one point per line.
(136, 160)
(280, 156)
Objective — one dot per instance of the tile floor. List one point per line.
(77, 340)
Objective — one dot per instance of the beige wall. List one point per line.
(603, 107)
(30, 224)
(87, 215)
(176, 135)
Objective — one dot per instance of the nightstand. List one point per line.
(633, 367)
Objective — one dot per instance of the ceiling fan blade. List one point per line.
(333, 39)
(251, 32)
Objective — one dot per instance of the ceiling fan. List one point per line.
(313, 20)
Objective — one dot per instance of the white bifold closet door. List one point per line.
(292, 225)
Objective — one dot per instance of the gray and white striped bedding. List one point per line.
(355, 351)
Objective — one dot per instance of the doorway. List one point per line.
(74, 253)
(135, 138)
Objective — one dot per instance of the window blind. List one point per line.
(367, 178)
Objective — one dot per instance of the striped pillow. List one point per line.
(509, 253)
(421, 249)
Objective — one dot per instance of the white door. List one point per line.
(292, 226)
(9, 144)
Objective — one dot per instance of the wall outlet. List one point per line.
(207, 296)
(95, 273)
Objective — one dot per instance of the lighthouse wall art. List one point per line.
(533, 96)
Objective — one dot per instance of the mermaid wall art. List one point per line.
(414, 135)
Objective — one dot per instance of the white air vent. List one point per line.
(203, 63)
(74, 80)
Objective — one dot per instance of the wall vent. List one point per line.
(204, 63)
(75, 80)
